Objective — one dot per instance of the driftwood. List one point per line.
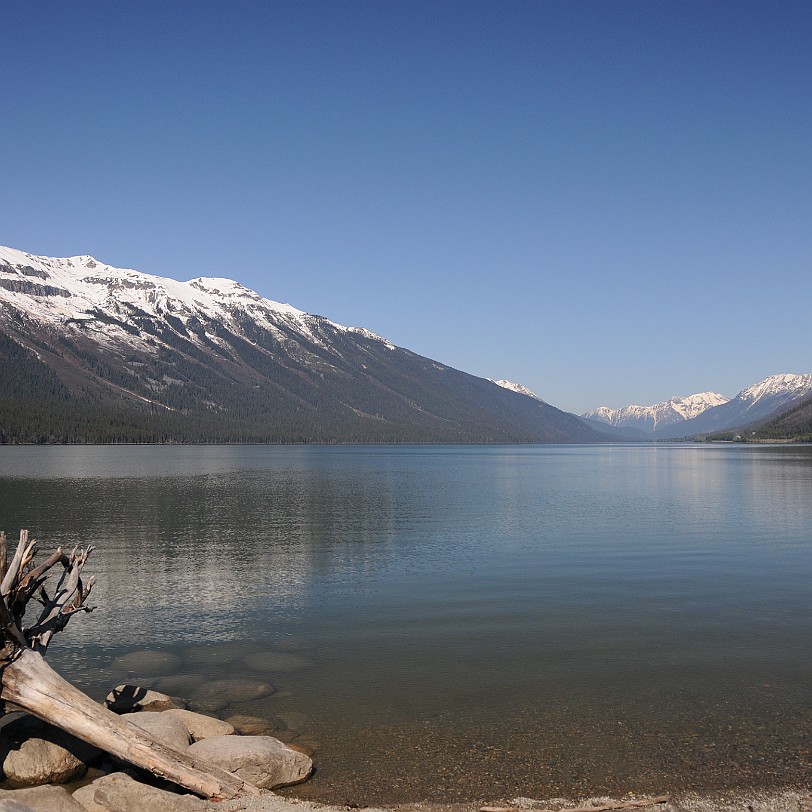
(660, 799)
(29, 683)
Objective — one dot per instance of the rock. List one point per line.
(223, 692)
(217, 653)
(302, 747)
(175, 684)
(39, 799)
(129, 698)
(260, 760)
(163, 728)
(86, 797)
(254, 726)
(121, 793)
(275, 661)
(8, 805)
(149, 661)
(295, 720)
(34, 752)
(200, 726)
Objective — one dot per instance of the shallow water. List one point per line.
(459, 622)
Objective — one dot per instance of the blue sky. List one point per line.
(609, 202)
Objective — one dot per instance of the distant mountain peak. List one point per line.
(651, 418)
(785, 383)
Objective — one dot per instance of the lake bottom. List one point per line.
(399, 746)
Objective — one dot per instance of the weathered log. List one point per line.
(28, 682)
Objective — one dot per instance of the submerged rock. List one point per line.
(148, 661)
(217, 653)
(255, 726)
(276, 661)
(219, 694)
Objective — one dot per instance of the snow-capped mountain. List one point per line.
(652, 418)
(518, 388)
(755, 404)
(76, 290)
(90, 352)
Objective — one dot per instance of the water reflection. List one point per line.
(568, 601)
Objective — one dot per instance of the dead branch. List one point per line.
(28, 682)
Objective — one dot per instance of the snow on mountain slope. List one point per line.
(651, 418)
(780, 386)
(85, 344)
(517, 387)
(756, 403)
(75, 289)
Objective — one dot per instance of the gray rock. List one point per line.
(175, 684)
(163, 728)
(276, 661)
(200, 726)
(218, 653)
(254, 725)
(34, 752)
(129, 698)
(39, 799)
(119, 792)
(223, 692)
(149, 661)
(86, 797)
(260, 760)
(8, 805)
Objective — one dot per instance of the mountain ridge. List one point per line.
(650, 418)
(755, 404)
(102, 354)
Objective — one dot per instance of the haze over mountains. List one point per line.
(93, 353)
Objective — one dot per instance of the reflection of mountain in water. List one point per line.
(203, 557)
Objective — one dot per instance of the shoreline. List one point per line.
(789, 799)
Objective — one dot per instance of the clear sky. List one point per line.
(609, 202)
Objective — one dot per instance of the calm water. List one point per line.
(468, 622)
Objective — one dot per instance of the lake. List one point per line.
(456, 622)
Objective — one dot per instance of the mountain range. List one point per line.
(93, 353)
(709, 412)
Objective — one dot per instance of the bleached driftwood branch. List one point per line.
(28, 682)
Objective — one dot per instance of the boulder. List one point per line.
(39, 799)
(215, 654)
(175, 684)
(148, 661)
(130, 698)
(221, 693)
(200, 726)
(86, 797)
(275, 661)
(261, 760)
(34, 752)
(163, 728)
(120, 792)
(255, 726)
